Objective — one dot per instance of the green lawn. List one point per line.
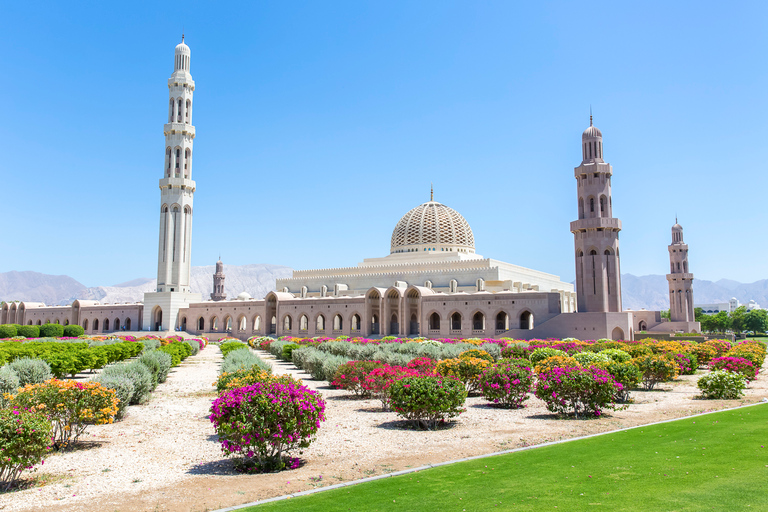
(713, 462)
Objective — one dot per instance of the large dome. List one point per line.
(433, 227)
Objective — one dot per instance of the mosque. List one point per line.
(432, 283)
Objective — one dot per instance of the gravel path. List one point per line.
(169, 445)
(156, 444)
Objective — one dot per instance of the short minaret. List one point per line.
(596, 233)
(218, 282)
(680, 279)
(176, 192)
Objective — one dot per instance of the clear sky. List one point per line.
(319, 124)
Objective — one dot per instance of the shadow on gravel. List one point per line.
(222, 467)
(410, 425)
(213, 438)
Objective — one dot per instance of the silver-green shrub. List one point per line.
(590, 358)
(300, 355)
(330, 365)
(194, 345)
(9, 383)
(123, 387)
(493, 349)
(276, 347)
(138, 374)
(151, 344)
(242, 360)
(159, 363)
(30, 370)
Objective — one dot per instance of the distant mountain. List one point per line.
(652, 292)
(256, 279)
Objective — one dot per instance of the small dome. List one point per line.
(433, 226)
(244, 296)
(219, 267)
(591, 133)
(182, 47)
(677, 227)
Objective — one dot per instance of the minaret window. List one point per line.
(178, 112)
(591, 205)
(186, 111)
(581, 207)
(168, 155)
(170, 111)
(178, 159)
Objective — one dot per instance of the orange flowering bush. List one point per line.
(553, 362)
(479, 354)
(466, 369)
(69, 405)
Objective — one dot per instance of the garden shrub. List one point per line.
(264, 422)
(378, 381)
(751, 350)
(159, 364)
(507, 385)
(28, 331)
(72, 331)
(351, 375)
(423, 365)
(30, 371)
(687, 363)
(638, 350)
(578, 390)
(9, 383)
(123, 387)
(427, 399)
(542, 353)
(51, 330)
(194, 346)
(476, 353)
(549, 363)
(285, 355)
(467, 370)
(590, 358)
(655, 369)
(516, 350)
(229, 346)
(721, 384)
(739, 365)
(178, 351)
(242, 359)
(625, 373)
(8, 331)
(150, 344)
(248, 376)
(138, 374)
(329, 367)
(720, 346)
(704, 352)
(70, 406)
(25, 438)
(616, 354)
(493, 349)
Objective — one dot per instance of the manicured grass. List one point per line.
(713, 462)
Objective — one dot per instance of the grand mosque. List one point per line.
(432, 283)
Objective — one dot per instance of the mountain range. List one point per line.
(638, 292)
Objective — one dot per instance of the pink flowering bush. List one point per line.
(686, 363)
(739, 365)
(264, 421)
(578, 391)
(378, 381)
(351, 376)
(25, 438)
(507, 385)
(423, 365)
(427, 399)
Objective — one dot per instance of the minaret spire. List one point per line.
(431, 192)
(590, 107)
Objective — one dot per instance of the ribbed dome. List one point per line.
(591, 133)
(182, 47)
(677, 227)
(433, 226)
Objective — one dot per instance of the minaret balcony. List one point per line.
(680, 276)
(178, 183)
(182, 128)
(607, 223)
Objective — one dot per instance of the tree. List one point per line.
(722, 322)
(665, 313)
(737, 318)
(697, 314)
(756, 320)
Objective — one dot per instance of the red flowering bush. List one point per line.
(351, 376)
(264, 421)
(578, 390)
(25, 437)
(686, 363)
(427, 399)
(507, 385)
(739, 365)
(423, 365)
(378, 381)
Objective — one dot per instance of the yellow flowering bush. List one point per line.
(549, 363)
(466, 369)
(69, 405)
(479, 354)
(667, 347)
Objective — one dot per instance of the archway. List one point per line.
(183, 323)
(273, 325)
(642, 326)
(242, 324)
(355, 322)
(117, 324)
(338, 323)
(303, 323)
(85, 324)
(214, 324)
(157, 318)
(106, 324)
(434, 322)
(320, 323)
(394, 326)
(257, 323)
(526, 320)
(228, 324)
(478, 322)
(502, 321)
(413, 326)
(617, 334)
(456, 321)
(287, 323)
(96, 325)
(201, 324)
(127, 324)
(374, 324)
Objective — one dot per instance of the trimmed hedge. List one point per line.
(28, 331)
(51, 330)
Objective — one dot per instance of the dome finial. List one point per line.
(590, 115)
(431, 192)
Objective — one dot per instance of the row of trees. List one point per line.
(738, 321)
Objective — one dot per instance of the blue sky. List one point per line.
(319, 124)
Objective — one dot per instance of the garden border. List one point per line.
(764, 401)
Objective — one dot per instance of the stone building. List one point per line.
(218, 282)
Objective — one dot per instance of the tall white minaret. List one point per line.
(177, 190)
(596, 233)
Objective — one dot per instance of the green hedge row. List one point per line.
(37, 331)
